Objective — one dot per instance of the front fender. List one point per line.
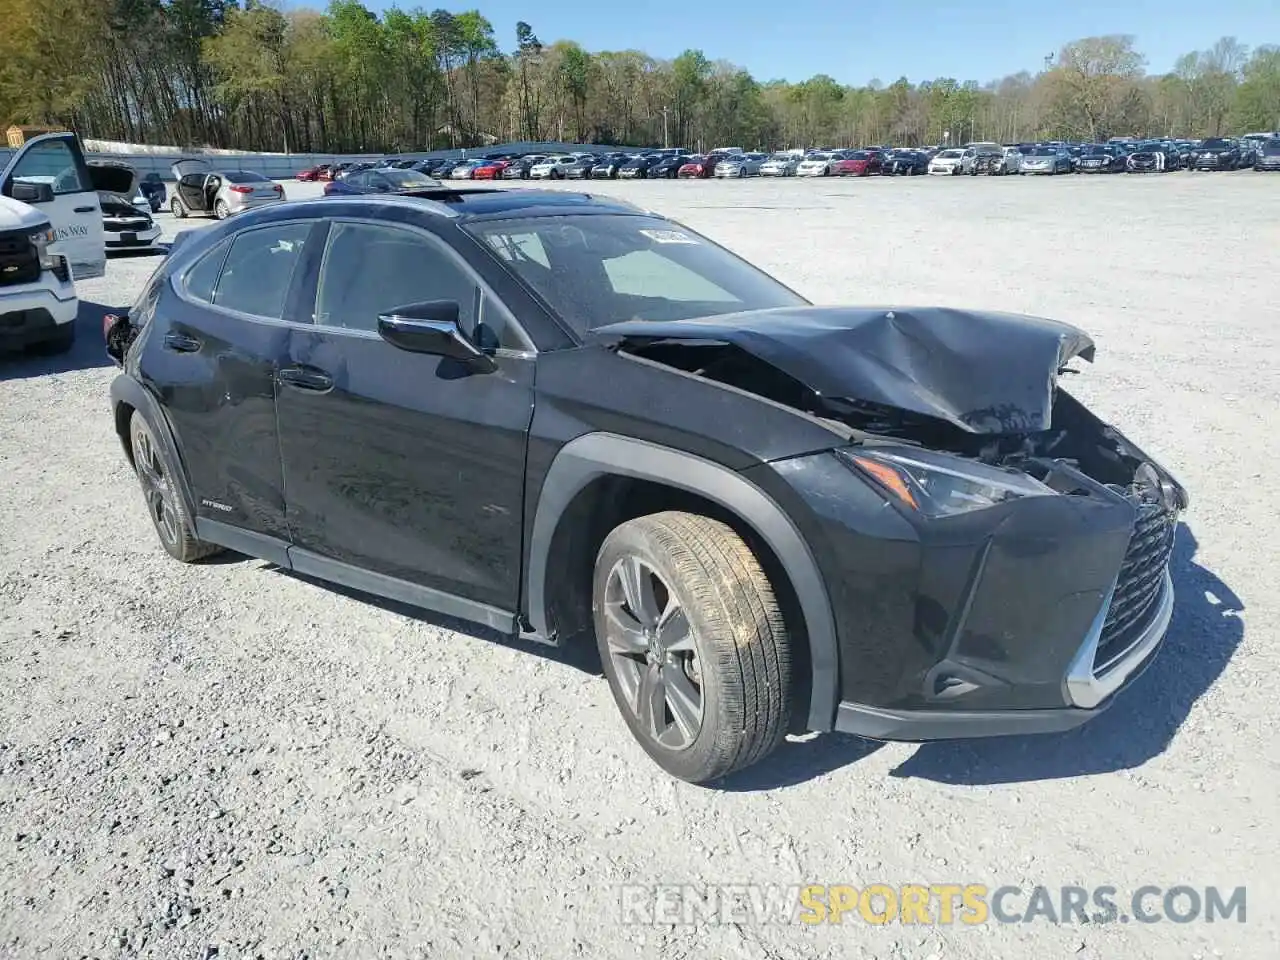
(594, 455)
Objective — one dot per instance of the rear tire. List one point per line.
(221, 210)
(693, 643)
(157, 475)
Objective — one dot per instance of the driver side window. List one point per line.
(56, 163)
(369, 269)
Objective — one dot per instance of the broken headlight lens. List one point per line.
(937, 485)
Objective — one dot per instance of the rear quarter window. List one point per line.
(202, 277)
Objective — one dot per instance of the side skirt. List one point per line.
(311, 564)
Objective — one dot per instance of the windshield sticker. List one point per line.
(668, 236)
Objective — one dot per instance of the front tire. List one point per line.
(178, 209)
(693, 643)
(158, 478)
(63, 339)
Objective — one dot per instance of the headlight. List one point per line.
(41, 240)
(937, 485)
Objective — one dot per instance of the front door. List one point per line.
(74, 213)
(404, 464)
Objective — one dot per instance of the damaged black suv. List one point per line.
(566, 418)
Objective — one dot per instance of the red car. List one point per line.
(307, 175)
(699, 167)
(491, 170)
(859, 163)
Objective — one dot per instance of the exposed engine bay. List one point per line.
(1001, 406)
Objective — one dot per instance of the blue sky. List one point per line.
(856, 41)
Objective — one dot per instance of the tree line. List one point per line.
(223, 73)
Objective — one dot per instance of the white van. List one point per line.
(50, 235)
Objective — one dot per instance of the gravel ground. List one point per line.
(225, 760)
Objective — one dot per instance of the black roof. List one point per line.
(471, 203)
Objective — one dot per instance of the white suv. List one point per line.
(50, 234)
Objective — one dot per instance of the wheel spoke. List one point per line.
(651, 702)
(685, 702)
(637, 585)
(623, 632)
(673, 629)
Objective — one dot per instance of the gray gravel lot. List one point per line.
(224, 760)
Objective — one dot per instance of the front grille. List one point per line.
(19, 260)
(1138, 584)
(126, 226)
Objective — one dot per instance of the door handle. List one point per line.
(84, 209)
(306, 378)
(181, 343)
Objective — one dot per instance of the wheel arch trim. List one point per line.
(594, 455)
(126, 390)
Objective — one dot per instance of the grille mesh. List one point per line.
(19, 261)
(1139, 582)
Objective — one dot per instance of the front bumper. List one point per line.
(1026, 617)
(35, 313)
(1089, 694)
(131, 240)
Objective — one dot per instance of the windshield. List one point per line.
(818, 156)
(1044, 152)
(407, 179)
(1216, 143)
(599, 269)
(780, 158)
(950, 154)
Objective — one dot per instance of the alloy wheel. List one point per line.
(654, 654)
(156, 488)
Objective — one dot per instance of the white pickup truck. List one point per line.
(51, 235)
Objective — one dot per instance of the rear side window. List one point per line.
(256, 275)
(203, 277)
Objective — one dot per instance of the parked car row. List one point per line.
(1259, 151)
(1119, 155)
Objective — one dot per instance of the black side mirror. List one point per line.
(432, 327)
(32, 192)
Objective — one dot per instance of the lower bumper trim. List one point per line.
(876, 723)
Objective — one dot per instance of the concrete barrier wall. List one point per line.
(276, 166)
(283, 166)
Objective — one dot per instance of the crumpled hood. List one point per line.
(15, 215)
(984, 372)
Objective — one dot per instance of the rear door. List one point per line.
(214, 358)
(74, 212)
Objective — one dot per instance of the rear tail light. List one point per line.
(240, 188)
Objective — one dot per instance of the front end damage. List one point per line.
(1003, 566)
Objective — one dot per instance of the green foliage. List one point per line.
(258, 74)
